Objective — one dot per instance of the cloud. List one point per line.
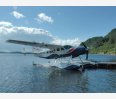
(17, 15)
(73, 42)
(42, 17)
(5, 24)
(10, 31)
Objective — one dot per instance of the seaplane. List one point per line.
(58, 52)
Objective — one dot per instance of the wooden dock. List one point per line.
(87, 64)
(99, 65)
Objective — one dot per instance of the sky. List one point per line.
(64, 24)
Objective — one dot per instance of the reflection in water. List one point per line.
(111, 79)
(67, 81)
(101, 80)
(17, 75)
(58, 80)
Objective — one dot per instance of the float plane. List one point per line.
(56, 51)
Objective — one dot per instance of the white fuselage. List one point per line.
(48, 53)
(56, 51)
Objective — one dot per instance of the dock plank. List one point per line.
(100, 65)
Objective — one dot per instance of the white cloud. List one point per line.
(42, 17)
(17, 15)
(8, 28)
(73, 42)
(5, 24)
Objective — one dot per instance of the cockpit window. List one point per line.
(67, 46)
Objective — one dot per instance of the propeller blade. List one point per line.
(84, 45)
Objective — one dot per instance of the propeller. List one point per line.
(84, 45)
(87, 50)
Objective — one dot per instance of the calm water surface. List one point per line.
(18, 75)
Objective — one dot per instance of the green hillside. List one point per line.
(103, 45)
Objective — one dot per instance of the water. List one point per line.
(18, 75)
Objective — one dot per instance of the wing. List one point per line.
(35, 44)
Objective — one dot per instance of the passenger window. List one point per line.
(67, 46)
(62, 48)
(58, 49)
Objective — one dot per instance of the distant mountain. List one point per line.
(103, 45)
